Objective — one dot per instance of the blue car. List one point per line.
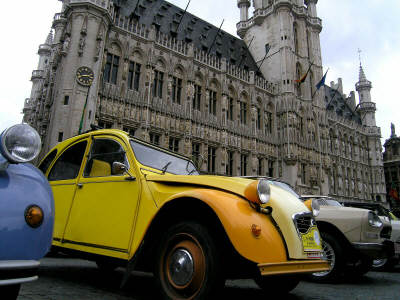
(26, 210)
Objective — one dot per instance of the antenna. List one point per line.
(359, 55)
(180, 21)
(219, 29)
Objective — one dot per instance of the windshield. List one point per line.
(328, 202)
(162, 160)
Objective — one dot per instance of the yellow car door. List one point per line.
(105, 204)
(63, 176)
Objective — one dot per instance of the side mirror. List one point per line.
(120, 168)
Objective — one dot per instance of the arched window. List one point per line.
(198, 83)
(230, 109)
(177, 82)
(268, 119)
(295, 38)
(243, 109)
(212, 99)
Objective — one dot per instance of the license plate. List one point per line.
(311, 240)
(397, 248)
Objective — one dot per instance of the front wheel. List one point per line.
(334, 254)
(187, 265)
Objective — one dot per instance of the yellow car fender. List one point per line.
(238, 218)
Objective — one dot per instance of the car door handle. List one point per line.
(80, 185)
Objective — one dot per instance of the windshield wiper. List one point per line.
(165, 168)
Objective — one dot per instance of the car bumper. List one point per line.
(375, 250)
(18, 271)
(293, 267)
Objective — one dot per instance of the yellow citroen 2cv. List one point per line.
(123, 202)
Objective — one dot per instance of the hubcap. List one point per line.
(181, 267)
(329, 255)
(377, 263)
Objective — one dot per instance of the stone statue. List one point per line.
(393, 129)
(66, 44)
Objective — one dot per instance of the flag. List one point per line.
(83, 114)
(322, 81)
(393, 193)
(303, 78)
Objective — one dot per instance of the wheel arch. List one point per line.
(333, 230)
(190, 209)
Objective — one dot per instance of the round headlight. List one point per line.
(20, 143)
(264, 191)
(374, 220)
(315, 207)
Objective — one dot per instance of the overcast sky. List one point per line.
(371, 25)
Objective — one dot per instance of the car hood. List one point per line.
(235, 185)
(339, 209)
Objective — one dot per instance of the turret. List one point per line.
(312, 8)
(244, 9)
(367, 108)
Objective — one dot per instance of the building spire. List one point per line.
(49, 39)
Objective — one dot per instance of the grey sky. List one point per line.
(371, 25)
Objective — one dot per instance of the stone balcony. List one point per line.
(37, 74)
(367, 106)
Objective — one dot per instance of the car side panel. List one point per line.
(237, 218)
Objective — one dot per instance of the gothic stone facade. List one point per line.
(173, 79)
(391, 161)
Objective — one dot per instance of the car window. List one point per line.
(161, 160)
(68, 164)
(45, 164)
(103, 154)
(328, 202)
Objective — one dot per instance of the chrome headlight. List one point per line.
(373, 220)
(315, 207)
(20, 143)
(264, 191)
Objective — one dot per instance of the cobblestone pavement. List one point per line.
(70, 279)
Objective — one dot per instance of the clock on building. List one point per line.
(84, 76)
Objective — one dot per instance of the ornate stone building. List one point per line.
(391, 162)
(170, 78)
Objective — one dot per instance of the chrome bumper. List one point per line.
(18, 271)
(375, 250)
(293, 267)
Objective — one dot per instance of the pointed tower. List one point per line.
(34, 104)
(290, 30)
(367, 108)
(78, 46)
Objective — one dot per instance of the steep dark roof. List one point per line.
(166, 17)
(336, 102)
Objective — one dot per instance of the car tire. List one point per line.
(188, 263)
(277, 285)
(334, 253)
(9, 292)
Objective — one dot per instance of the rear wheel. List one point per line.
(334, 254)
(187, 264)
(9, 292)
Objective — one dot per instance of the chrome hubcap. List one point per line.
(181, 267)
(377, 263)
(329, 256)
